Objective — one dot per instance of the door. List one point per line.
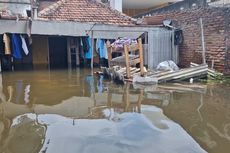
(58, 52)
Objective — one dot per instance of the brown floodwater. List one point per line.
(74, 112)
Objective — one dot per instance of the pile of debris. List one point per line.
(161, 75)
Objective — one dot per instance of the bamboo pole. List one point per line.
(127, 61)
(203, 41)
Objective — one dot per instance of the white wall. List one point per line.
(116, 4)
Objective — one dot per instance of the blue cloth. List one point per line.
(17, 46)
(101, 46)
(88, 53)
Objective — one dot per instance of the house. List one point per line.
(193, 15)
(56, 27)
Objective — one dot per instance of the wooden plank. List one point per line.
(159, 74)
(181, 72)
(141, 56)
(127, 61)
(194, 74)
(211, 72)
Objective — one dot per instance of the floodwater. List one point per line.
(72, 111)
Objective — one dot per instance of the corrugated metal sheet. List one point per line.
(161, 47)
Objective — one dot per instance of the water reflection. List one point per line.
(91, 114)
(133, 132)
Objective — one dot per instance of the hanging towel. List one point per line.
(16, 46)
(6, 40)
(24, 46)
(101, 46)
(88, 54)
(86, 44)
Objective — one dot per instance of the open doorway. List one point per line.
(58, 52)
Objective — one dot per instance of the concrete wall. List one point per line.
(15, 6)
(40, 49)
(216, 32)
(182, 5)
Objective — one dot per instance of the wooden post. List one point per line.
(109, 52)
(127, 61)
(202, 39)
(92, 47)
(213, 62)
(77, 47)
(141, 56)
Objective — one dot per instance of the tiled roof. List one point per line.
(84, 11)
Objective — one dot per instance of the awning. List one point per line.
(116, 34)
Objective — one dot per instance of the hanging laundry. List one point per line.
(6, 40)
(119, 43)
(16, 46)
(24, 46)
(1, 45)
(6, 62)
(88, 53)
(86, 44)
(101, 47)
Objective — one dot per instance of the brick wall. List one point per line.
(227, 41)
(216, 32)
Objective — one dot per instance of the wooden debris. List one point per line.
(126, 72)
(184, 74)
(128, 60)
(120, 74)
(211, 72)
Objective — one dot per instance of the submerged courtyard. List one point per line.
(73, 110)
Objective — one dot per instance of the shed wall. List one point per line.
(161, 47)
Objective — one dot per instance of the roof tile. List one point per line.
(84, 11)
